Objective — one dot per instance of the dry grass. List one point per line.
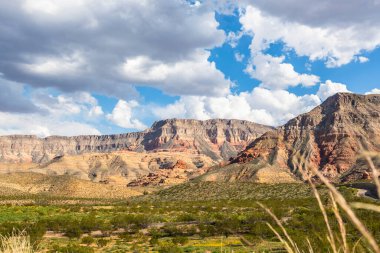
(338, 243)
(18, 242)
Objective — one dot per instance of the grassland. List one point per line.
(194, 217)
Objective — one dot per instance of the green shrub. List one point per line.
(182, 240)
(102, 242)
(73, 231)
(168, 247)
(186, 217)
(71, 248)
(130, 221)
(88, 240)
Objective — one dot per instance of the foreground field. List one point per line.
(180, 219)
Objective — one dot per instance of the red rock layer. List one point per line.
(218, 139)
(328, 138)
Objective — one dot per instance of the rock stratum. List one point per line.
(218, 139)
(330, 138)
(170, 152)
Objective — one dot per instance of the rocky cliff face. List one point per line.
(328, 138)
(218, 139)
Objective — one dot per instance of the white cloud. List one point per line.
(53, 66)
(281, 104)
(42, 125)
(260, 105)
(334, 45)
(330, 88)
(373, 91)
(239, 57)
(363, 59)
(233, 38)
(191, 76)
(13, 99)
(48, 114)
(79, 103)
(275, 74)
(79, 45)
(122, 115)
(339, 13)
(50, 7)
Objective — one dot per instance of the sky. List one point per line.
(112, 66)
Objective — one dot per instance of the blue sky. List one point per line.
(104, 69)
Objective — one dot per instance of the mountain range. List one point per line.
(169, 152)
(330, 138)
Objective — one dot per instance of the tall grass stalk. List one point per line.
(348, 210)
(342, 227)
(17, 242)
(338, 201)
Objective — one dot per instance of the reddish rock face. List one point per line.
(218, 139)
(329, 137)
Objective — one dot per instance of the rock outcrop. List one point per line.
(121, 167)
(170, 152)
(219, 139)
(328, 138)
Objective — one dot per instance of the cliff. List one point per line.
(218, 139)
(329, 138)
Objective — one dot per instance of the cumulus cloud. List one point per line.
(336, 45)
(338, 13)
(363, 59)
(123, 116)
(55, 66)
(275, 74)
(110, 47)
(191, 76)
(63, 114)
(12, 98)
(373, 91)
(330, 88)
(42, 125)
(270, 107)
(239, 57)
(80, 45)
(79, 103)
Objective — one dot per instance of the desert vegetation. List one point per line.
(336, 226)
(230, 219)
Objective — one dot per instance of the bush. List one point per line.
(89, 223)
(88, 240)
(182, 240)
(36, 231)
(130, 221)
(186, 217)
(72, 248)
(168, 247)
(102, 242)
(73, 231)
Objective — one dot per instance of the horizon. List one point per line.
(108, 70)
(173, 119)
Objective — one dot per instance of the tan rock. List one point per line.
(327, 138)
(219, 139)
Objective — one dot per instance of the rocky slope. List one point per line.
(29, 184)
(218, 139)
(121, 167)
(328, 138)
(170, 152)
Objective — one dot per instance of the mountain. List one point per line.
(218, 138)
(328, 138)
(34, 184)
(171, 151)
(121, 167)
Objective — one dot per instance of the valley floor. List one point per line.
(193, 217)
